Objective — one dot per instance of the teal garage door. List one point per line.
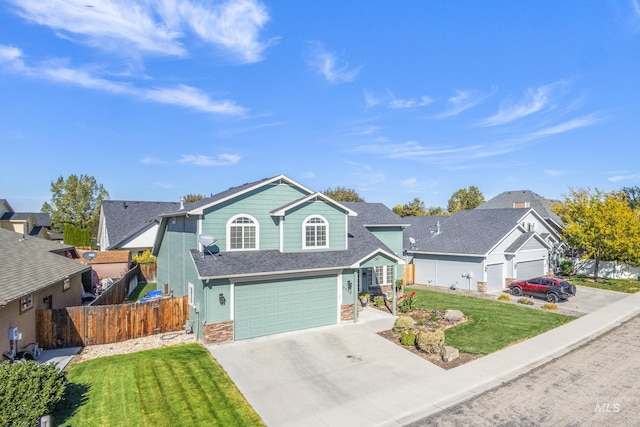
(265, 308)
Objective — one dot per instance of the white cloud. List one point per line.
(399, 103)
(624, 177)
(567, 126)
(181, 96)
(189, 97)
(326, 63)
(636, 7)
(371, 100)
(533, 102)
(224, 159)
(462, 101)
(154, 27)
(414, 150)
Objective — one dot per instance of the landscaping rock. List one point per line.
(453, 315)
(449, 353)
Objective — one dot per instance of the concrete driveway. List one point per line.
(336, 375)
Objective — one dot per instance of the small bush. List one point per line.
(525, 301)
(504, 297)
(549, 306)
(378, 301)
(30, 390)
(566, 268)
(406, 303)
(403, 323)
(144, 258)
(408, 338)
(430, 340)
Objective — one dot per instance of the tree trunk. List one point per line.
(596, 267)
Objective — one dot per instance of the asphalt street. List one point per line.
(594, 385)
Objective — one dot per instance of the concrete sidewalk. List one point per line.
(427, 396)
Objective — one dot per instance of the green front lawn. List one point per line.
(630, 286)
(491, 325)
(173, 386)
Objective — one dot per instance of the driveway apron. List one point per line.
(336, 375)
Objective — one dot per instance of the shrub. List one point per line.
(566, 268)
(378, 301)
(504, 297)
(406, 303)
(144, 258)
(430, 340)
(408, 338)
(403, 323)
(549, 306)
(30, 390)
(525, 301)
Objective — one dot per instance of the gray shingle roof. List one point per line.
(374, 214)
(123, 219)
(361, 243)
(467, 232)
(538, 203)
(31, 264)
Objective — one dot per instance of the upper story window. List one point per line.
(242, 233)
(316, 232)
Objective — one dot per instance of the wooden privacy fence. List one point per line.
(105, 324)
(408, 274)
(120, 290)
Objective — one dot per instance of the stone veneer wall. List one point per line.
(217, 332)
(346, 312)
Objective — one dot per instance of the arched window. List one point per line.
(242, 233)
(316, 232)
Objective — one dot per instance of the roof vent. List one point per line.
(181, 202)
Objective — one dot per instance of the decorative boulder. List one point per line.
(449, 353)
(453, 315)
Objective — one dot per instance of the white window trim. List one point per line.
(256, 224)
(191, 295)
(26, 302)
(304, 232)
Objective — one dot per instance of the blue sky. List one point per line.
(162, 98)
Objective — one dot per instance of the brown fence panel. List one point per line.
(105, 324)
(408, 274)
(118, 291)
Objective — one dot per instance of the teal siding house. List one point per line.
(274, 256)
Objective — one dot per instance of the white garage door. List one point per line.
(495, 277)
(529, 269)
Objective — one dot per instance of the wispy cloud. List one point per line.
(462, 101)
(624, 177)
(224, 159)
(395, 103)
(636, 8)
(413, 149)
(326, 63)
(181, 96)
(148, 160)
(566, 126)
(154, 27)
(533, 102)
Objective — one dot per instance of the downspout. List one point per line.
(355, 297)
(393, 298)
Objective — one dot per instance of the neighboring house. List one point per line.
(109, 264)
(526, 199)
(131, 225)
(35, 224)
(479, 249)
(274, 256)
(36, 274)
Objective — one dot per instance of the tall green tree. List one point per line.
(75, 200)
(602, 225)
(435, 211)
(464, 199)
(413, 208)
(343, 194)
(633, 196)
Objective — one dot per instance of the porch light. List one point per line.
(349, 285)
(222, 299)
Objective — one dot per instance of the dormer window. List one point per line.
(316, 232)
(242, 233)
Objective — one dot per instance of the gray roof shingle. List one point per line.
(123, 219)
(31, 264)
(467, 232)
(538, 203)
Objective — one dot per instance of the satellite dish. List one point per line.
(412, 241)
(206, 240)
(89, 255)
